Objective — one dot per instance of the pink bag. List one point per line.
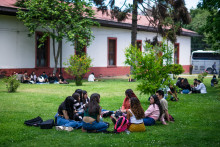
(121, 124)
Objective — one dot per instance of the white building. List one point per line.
(19, 52)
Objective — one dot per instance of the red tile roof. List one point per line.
(142, 20)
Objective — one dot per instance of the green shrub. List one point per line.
(78, 66)
(152, 67)
(176, 69)
(202, 76)
(11, 83)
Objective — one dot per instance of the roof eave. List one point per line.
(8, 11)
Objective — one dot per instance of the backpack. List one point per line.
(34, 122)
(48, 124)
(121, 124)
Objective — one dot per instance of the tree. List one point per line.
(151, 67)
(167, 15)
(198, 23)
(59, 19)
(212, 28)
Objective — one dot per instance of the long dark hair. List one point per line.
(69, 102)
(185, 82)
(93, 105)
(136, 108)
(130, 93)
(79, 91)
(84, 93)
(76, 96)
(157, 102)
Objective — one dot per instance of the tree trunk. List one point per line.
(134, 23)
(55, 55)
(60, 45)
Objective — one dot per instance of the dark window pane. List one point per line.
(112, 52)
(42, 51)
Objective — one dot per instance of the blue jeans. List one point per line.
(148, 121)
(185, 91)
(99, 126)
(61, 121)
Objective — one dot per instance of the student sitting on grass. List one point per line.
(91, 119)
(79, 105)
(26, 78)
(154, 111)
(126, 103)
(52, 78)
(214, 81)
(135, 116)
(66, 115)
(44, 75)
(172, 91)
(164, 104)
(62, 80)
(186, 89)
(200, 87)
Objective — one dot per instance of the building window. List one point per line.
(139, 44)
(42, 51)
(176, 53)
(112, 51)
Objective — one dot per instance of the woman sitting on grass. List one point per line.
(186, 89)
(126, 103)
(66, 115)
(135, 116)
(154, 111)
(91, 119)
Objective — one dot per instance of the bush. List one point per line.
(202, 76)
(11, 83)
(176, 69)
(152, 67)
(78, 66)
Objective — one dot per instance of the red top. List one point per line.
(126, 104)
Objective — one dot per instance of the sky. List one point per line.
(189, 3)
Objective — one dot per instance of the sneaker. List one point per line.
(59, 128)
(190, 92)
(69, 129)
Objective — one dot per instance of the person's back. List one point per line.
(201, 87)
(91, 77)
(214, 81)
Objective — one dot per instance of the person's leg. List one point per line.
(61, 121)
(185, 91)
(148, 121)
(74, 124)
(100, 126)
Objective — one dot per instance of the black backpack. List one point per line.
(48, 124)
(34, 122)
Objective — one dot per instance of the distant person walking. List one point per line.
(214, 71)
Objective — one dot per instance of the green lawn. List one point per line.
(197, 117)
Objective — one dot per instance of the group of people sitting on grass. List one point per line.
(186, 88)
(43, 78)
(79, 111)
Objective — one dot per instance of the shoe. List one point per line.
(69, 129)
(190, 92)
(59, 128)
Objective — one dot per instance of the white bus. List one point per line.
(203, 61)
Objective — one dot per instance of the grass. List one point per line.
(197, 117)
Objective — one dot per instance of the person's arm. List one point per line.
(65, 114)
(123, 106)
(98, 116)
(167, 115)
(149, 111)
(129, 114)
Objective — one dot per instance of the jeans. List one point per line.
(61, 121)
(99, 126)
(185, 91)
(148, 121)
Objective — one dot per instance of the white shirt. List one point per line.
(133, 119)
(201, 87)
(91, 78)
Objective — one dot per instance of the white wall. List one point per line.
(184, 49)
(17, 50)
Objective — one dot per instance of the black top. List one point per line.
(53, 78)
(186, 87)
(62, 79)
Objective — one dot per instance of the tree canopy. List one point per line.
(212, 28)
(59, 19)
(167, 16)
